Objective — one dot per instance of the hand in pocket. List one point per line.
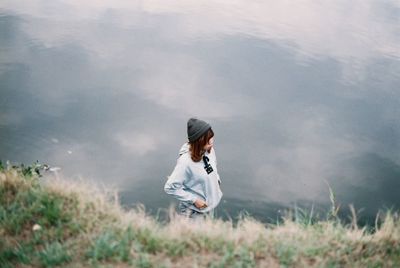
(200, 204)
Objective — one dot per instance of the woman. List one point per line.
(195, 181)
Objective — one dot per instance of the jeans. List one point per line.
(193, 214)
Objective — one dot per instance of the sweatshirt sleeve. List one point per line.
(174, 185)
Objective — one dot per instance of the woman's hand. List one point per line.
(200, 204)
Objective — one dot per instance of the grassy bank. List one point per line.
(76, 225)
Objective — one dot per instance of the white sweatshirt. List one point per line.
(190, 180)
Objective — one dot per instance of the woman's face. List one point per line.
(209, 145)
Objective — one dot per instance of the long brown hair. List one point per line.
(197, 146)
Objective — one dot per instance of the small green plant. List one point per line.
(227, 259)
(54, 254)
(32, 170)
(242, 257)
(148, 242)
(245, 258)
(285, 253)
(143, 261)
(333, 213)
(50, 208)
(176, 248)
(303, 217)
(112, 245)
(104, 247)
(20, 253)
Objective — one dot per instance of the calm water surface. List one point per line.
(300, 95)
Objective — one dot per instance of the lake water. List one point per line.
(300, 96)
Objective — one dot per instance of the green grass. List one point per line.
(53, 254)
(55, 223)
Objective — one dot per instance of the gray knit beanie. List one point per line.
(196, 128)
